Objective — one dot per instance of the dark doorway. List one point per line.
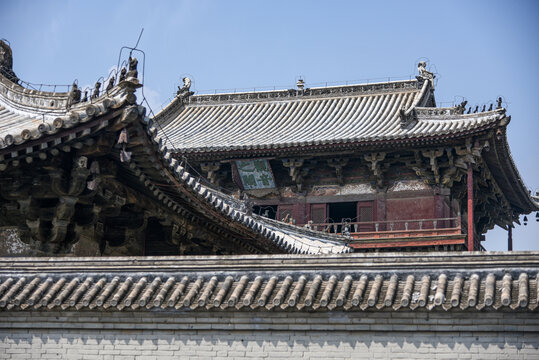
(342, 212)
(269, 211)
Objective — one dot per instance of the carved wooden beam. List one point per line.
(471, 152)
(418, 167)
(433, 156)
(29, 208)
(112, 203)
(296, 170)
(89, 236)
(212, 171)
(338, 164)
(77, 181)
(178, 232)
(375, 159)
(135, 236)
(452, 174)
(15, 189)
(100, 147)
(64, 212)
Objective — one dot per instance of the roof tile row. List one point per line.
(265, 291)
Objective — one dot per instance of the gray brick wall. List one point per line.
(72, 335)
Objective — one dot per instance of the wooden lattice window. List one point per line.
(318, 213)
(365, 211)
(285, 212)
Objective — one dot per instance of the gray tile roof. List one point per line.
(385, 282)
(282, 119)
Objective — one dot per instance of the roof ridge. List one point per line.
(455, 112)
(307, 92)
(307, 88)
(31, 102)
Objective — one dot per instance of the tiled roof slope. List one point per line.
(480, 281)
(283, 119)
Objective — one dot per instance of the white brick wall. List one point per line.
(324, 336)
(57, 344)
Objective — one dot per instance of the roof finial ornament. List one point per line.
(111, 83)
(185, 91)
(300, 84)
(96, 90)
(74, 95)
(123, 75)
(6, 62)
(499, 103)
(461, 107)
(132, 73)
(423, 72)
(405, 116)
(490, 107)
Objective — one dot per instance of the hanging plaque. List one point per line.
(255, 174)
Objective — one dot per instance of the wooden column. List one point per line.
(510, 238)
(470, 209)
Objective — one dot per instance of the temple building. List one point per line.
(300, 223)
(379, 162)
(306, 170)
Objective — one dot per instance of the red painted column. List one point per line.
(470, 209)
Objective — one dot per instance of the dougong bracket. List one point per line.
(375, 160)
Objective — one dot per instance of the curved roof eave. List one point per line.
(511, 176)
(287, 238)
(28, 115)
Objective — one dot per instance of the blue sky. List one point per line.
(479, 49)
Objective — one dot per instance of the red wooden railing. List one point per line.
(398, 233)
(356, 227)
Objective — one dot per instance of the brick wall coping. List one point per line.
(282, 262)
(359, 282)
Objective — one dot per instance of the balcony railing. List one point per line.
(392, 228)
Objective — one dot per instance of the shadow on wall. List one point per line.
(165, 344)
